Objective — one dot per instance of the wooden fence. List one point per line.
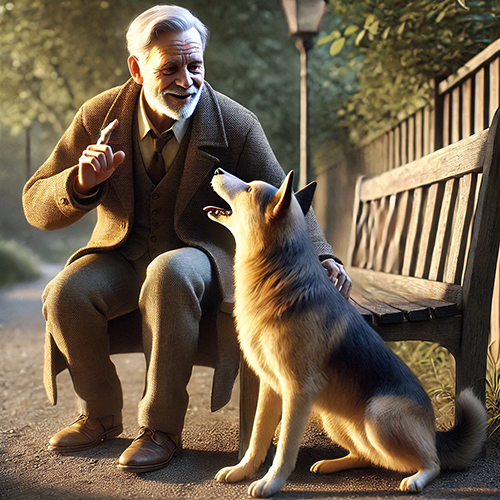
(463, 104)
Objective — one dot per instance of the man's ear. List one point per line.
(305, 196)
(284, 196)
(135, 69)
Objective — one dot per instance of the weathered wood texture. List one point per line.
(424, 246)
(462, 105)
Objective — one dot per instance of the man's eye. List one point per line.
(195, 68)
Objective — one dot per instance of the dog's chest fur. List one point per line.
(275, 330)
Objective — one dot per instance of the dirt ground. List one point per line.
(27, 420)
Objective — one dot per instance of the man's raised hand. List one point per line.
(97, 163)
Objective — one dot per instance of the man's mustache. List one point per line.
(177, 91)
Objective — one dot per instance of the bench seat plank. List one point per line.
(412, 289)
(413, 311)
(382, 313)
(367, 315)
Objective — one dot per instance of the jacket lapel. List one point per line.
(207, 136)
(123, 108)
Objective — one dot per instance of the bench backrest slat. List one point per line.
(461, 226)
(444, 228)
(416, 220)
(428, 231)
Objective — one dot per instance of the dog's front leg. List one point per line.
(296, 411)
(267, 417)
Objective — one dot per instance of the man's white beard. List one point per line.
(157, 101)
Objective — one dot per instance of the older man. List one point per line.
(152, 248)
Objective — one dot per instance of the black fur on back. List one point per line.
(377, 371)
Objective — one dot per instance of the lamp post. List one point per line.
(304, 18)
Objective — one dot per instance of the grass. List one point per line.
(493, 393)
(17, 263)
(435, 367)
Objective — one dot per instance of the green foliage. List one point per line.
(56, 54)
(17, 263)
(397, 48)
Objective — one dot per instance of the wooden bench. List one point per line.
(424, 247)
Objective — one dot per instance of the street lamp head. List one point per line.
(303, 16)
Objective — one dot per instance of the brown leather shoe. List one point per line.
(85, 433)
(150, 450)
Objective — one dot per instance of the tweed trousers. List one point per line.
(171, 291)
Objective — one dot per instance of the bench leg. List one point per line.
(471, 365)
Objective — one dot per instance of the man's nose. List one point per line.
(184, 79)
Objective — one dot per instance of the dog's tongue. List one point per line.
(217, 210)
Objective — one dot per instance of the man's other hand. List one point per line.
(338, 276)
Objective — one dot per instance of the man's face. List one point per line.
(173, 74)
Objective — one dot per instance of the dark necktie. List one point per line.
(156, 167)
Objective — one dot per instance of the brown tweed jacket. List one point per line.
(223, 134)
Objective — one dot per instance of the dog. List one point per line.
(313, 352)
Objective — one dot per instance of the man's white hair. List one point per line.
(146, 27)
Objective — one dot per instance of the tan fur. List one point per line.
(291, 355)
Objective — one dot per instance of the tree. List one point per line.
(54, 54)
(396, 49)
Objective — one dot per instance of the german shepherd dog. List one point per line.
(314, 353)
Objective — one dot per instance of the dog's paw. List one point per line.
(410, 485)
(235, 473)
(323, 467)
(417, 482)
(266, 487)
(339, 464)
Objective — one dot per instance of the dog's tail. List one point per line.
(464, 442)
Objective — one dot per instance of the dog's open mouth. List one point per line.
(217, 211)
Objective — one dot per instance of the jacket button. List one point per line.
(155, 212)
(155, 196)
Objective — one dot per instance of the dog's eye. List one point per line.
(249, 189)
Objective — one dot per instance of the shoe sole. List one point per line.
(137, 469)
(106, 436)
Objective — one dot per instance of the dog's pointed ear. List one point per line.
(284, 196)
(305, 196)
